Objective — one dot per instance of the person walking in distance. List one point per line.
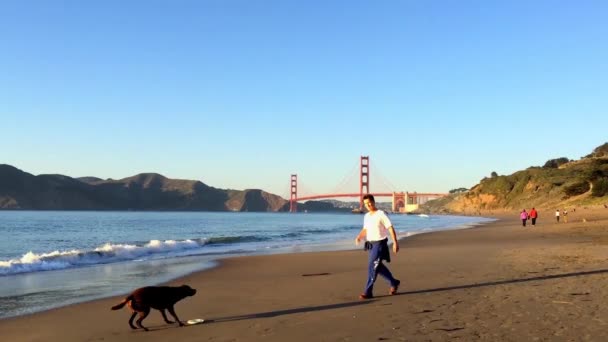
(565, 215)
(524, 217)
(557, 215)
(376, 228)
(533, 216)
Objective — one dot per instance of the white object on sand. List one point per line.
(195, 321)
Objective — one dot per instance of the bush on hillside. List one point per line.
(595, 171)
(576, 189)
(502, 185)
(459, 190)
(555, 163)
(600, 188)
(600, 162)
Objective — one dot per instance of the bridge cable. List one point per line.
(384, 181)
(303, 190)
(340, 188)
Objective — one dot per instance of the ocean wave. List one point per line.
(234, 239)
(113, 252)
(291, 235)
(313, 232)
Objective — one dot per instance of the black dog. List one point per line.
(155, 297)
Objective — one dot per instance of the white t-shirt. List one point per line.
(376, 225)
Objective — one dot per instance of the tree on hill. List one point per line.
(555, 163)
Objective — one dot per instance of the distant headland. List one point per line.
(20, 190)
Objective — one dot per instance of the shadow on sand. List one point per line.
(503, 282)
(287, 312)
(439, 289)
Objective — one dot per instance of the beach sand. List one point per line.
(497, 282)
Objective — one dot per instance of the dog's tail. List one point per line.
(123, 303)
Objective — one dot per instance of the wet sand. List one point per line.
(500, 281)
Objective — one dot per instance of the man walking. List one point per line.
(376, 228)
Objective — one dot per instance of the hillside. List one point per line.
(559, 183)
(146, 191)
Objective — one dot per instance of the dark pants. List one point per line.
(377, 254)
(534, 221)
(523, 222)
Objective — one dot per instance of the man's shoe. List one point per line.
(395, 288)
(363, 296)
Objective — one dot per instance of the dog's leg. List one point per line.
(172, 312)
(162, 311)
(142, 314)
(131, 320)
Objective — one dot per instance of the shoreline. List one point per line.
(497, 281)
(52, 284)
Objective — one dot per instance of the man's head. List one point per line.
(369, 202)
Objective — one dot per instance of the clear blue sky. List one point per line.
(241, 94)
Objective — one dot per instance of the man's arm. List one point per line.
(391, 231)
(360, 236)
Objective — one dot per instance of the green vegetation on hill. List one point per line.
(560, 182)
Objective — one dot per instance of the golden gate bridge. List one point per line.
(402, 202)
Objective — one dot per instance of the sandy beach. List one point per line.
(497, 282)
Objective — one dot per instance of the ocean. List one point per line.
(50, 259)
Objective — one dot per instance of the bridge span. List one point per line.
(402, 202)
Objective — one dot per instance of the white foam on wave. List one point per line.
(107, 253)
(410, 233)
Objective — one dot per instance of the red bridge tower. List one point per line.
(363, 180)
(293, 204)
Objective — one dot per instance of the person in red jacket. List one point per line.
(533, 216)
